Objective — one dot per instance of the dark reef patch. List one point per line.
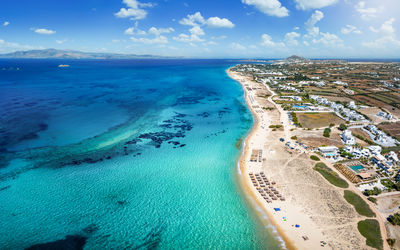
(4, 188)
(70, 242)
(204, 114)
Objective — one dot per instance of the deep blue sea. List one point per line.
(134, 154)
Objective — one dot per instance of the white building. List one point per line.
(329, 152)
(348, 138)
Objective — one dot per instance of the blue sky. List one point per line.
(206, 28)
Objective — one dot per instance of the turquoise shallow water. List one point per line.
(123, 154)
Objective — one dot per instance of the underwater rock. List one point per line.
(71, 242)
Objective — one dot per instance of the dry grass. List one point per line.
(318, 120)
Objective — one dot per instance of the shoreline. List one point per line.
(306, 219)
(244, 182)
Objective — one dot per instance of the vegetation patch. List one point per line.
(327, 132)
(369, 228)
(359, 204)
(394, 219)
(314, 158)
(330, 175)
(317, 120)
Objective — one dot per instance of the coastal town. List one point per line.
(331, 129)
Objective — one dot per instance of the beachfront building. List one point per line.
(379, 136)
(329, 152)
(348, 138)
(295, 98)
(352, 105)
(385, 115)
(381, 162)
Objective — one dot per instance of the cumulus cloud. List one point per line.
(157, 32)
(386, 28)
(44, 31)
(6, 23)
(266, 41)
(6, 46)
(314, 4)
(197, 21)
(350, 29)
(237, 46)
(216, 22)
(312, 21)
(269, 7)
(367, 13)
(134, 10)
(387, 36)
(193, 20)
(61, 41)
(155, 40)
(330, 40)
(290, 38)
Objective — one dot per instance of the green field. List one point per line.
(370, 230)
(359, 204)
(330, 175)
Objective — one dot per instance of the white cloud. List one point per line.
(196, 20)
(193, 20)
(157, 32)
(237, 46)
(266, 41)
(269, 7)
(290, 38)
(218, 37)
(135, 30)
(216, 22)
(314, 19)
(6, 23)
(350, 29)
(61, 41)
(156, 40)
(330, 40)
(6, 46)
(135, 10)
(44, 31)
(387, 36)
(314, 4)
(386, 28)
(367, 13)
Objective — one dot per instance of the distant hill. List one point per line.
(295, 58)
(73, 54)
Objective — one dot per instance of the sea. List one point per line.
(124, 154)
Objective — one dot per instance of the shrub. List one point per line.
(314, 158)
(342, 127)
(394, 219)
(293, 137)
(327, 132)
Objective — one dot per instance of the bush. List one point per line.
(314, 158)
(293, 137)
(394, 219)
(342, 127)
(331, 125)
(375, 191)
(372, 199)
(327, 132)
(391, 242)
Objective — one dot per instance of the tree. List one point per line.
(327, 132)
(394, 219)
(342, 127)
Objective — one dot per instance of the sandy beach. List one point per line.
(313, 214)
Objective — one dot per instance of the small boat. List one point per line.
(63, 66)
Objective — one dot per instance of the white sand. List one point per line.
(311, 202)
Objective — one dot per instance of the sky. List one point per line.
(206, 28)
